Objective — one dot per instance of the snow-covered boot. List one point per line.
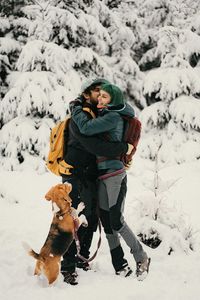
(83, 265)
(142, 269)
(124, 272)
(70, 277)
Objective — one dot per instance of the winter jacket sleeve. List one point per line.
(94, 126)
(98, 146)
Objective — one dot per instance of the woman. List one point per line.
(112, 176)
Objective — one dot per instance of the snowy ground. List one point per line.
(25, 216)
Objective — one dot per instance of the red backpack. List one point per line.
(132, 132)
(131, 135)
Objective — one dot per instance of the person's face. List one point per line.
(104, 98)
(94, 94)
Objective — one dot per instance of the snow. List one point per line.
(45, 56)
(169, 83)
(8, 45)
(26, 216)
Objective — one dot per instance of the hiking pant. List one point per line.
(111, 195)
(82, 191)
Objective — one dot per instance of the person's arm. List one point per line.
(94, 126)
(98, 146)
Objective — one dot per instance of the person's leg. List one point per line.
(82, 191)
(116, 187)
(68, 263)
(116, 251)
(88, 195)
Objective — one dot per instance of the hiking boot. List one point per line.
(83, 265)
(124, 272)
(70, 277)
(142, 269)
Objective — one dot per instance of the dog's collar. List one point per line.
(60, 214)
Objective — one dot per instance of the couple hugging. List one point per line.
(94, 145)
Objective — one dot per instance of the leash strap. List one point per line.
(78, 247)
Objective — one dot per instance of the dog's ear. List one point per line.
(68, 187)
(49, 194)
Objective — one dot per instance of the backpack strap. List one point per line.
(87, 109)
(64, 167)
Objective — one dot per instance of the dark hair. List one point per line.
(91, 88)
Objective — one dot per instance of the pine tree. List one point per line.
(172, 91)
(161, 222)
(38, 97)
(157, 14)
(52, 64)
(126, 35)
(12, 8)
(68, 41)
(10, 44)
(9, 51)
(119, 54)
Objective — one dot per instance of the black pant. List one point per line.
(86, 191)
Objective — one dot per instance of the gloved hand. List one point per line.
(130, 149)
(75, 103)
(127, 158)
(128, 164)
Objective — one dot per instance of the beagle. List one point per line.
(61, 234)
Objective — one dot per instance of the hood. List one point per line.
(115, 93)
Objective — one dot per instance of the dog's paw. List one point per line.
(83, 221)
(80, 207)
(74, 213)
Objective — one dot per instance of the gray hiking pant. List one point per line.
(111, 195)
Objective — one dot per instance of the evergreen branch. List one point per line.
(156, 187)
(43, 9)
(195, 232)
(174, 182)
(48, 3)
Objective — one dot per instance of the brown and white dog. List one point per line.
(61, 233)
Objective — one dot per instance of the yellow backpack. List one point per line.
(55, 162)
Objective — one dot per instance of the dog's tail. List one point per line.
(37, 256)
(31, 252)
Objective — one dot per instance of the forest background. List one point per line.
(151, 50)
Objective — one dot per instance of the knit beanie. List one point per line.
(117, 97)
(90, 83)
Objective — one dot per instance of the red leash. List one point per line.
(78, 247)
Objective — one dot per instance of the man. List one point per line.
(81, 153)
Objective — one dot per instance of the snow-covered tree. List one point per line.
(36, 101)
(155, 15)
(49, 47)
(50, 69)
(161, 223)
(9, 51)
(119, 55)
(173, 120)
(63, 42)
(12, 7)
(10, 46)
(39, 93)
